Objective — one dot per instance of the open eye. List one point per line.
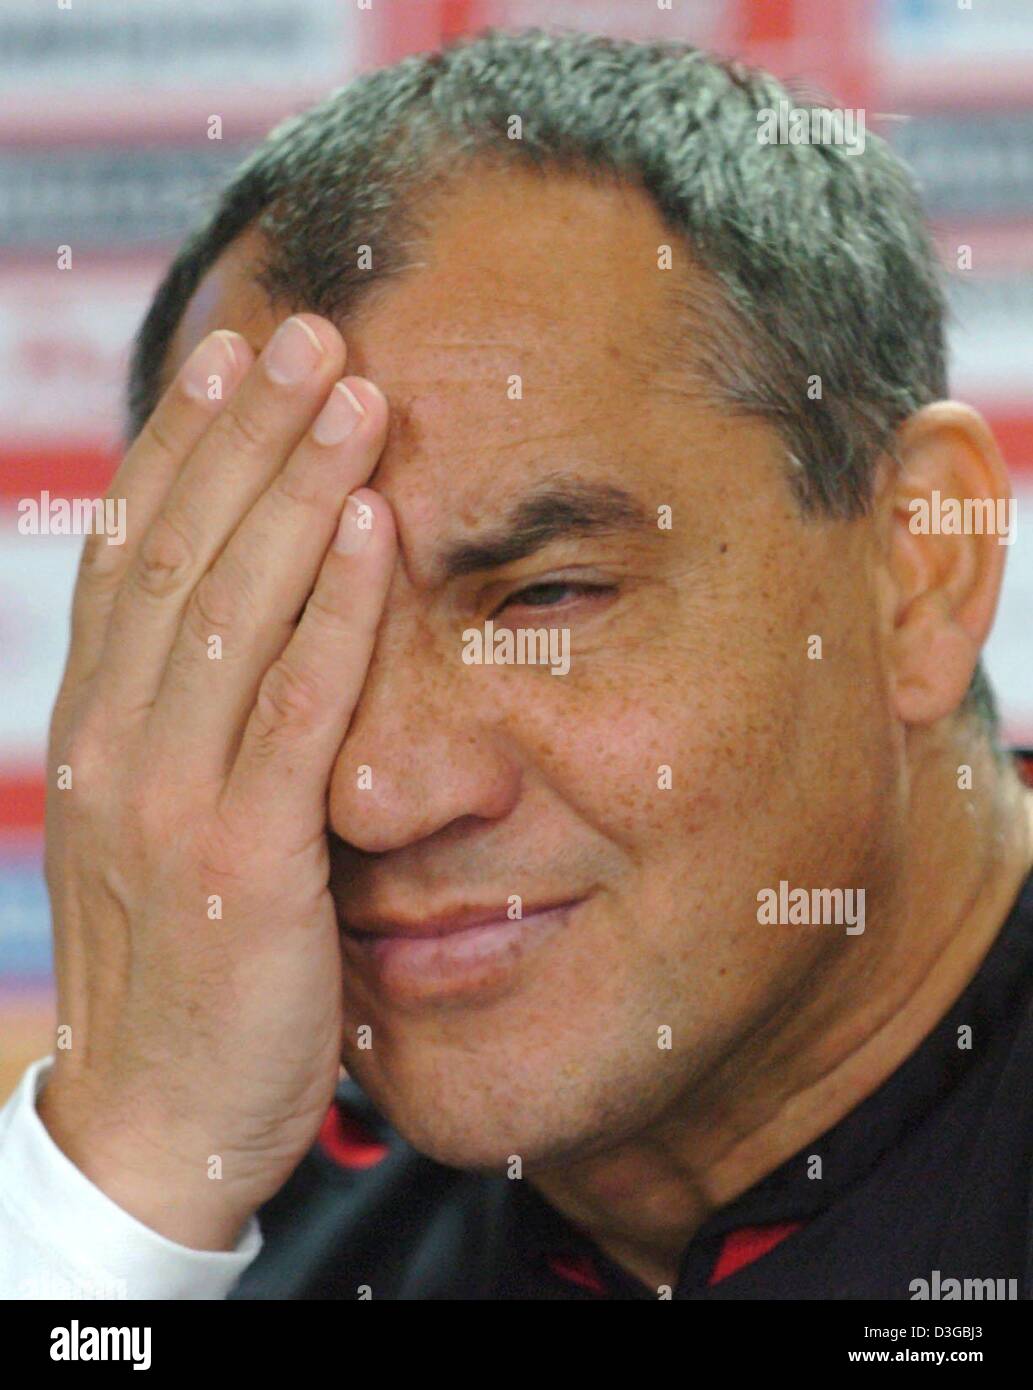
(554, 593)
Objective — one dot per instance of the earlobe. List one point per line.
(933, 661)
(949, 517)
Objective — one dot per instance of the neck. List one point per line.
(965, 857)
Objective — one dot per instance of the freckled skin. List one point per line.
(490, 781)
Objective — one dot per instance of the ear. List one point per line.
(947, 517)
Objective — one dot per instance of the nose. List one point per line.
(425, 749)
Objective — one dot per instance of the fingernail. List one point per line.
(339, 416)
(213, 357)
(292, 352)
(355, 527)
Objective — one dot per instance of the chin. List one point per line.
(460, 1137)
(471, 1151)
(462, 1122)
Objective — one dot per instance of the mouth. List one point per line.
(475, 951)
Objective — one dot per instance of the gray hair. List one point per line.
(816, 262)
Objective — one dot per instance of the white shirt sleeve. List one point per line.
(61, 1237)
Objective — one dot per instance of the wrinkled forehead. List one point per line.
(517, 273)
(524, 334)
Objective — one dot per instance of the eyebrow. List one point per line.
(555, 511)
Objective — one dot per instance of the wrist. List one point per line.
(186, 1203)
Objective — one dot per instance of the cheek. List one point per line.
(700, 758)
(621, 749)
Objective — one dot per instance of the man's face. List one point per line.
(688, 652)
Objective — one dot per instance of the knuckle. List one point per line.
(164, 560)
(287, 705)
(325, 610)
(83, 753)
(156, 437)
(212, 610)
(99, 559)
(243, 433)
(303, 484)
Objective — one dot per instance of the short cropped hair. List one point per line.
(814, 260)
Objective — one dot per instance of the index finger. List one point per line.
(206, 380)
